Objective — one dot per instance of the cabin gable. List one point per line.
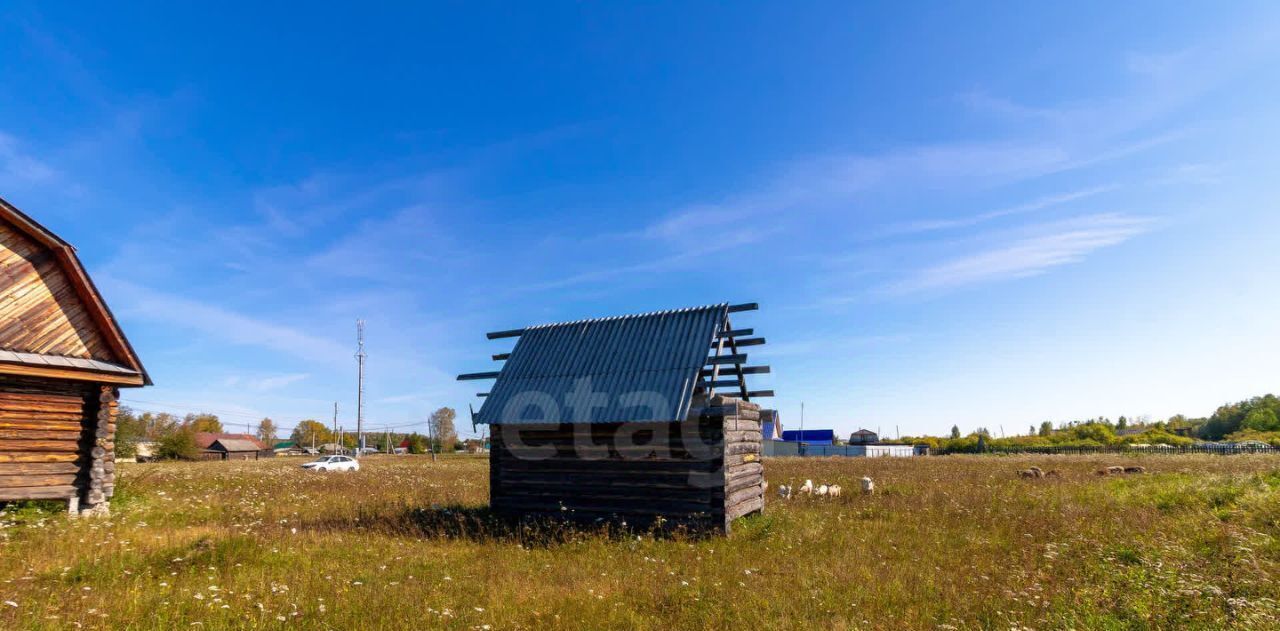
(40, 308)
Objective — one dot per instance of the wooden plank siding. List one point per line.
(40, 309)
(643, 474)
(56, 440)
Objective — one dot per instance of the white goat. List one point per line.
(822, 490)
(834, 491)
(807, 487)
(784, 491)
(868, 487)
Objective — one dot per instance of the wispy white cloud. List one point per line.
(1055, 245)
(18, 168)
(220, 323)
(1040, 203)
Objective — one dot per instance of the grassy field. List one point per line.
(947, 543)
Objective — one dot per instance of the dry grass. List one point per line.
(952, 542)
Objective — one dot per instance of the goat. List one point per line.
(822, 490)
(1111, 471)
(1053, 473)
(868, 487)
(834, 491)
(807, 487)
(784, 492)
(1135, 469)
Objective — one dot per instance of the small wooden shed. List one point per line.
(217, 446)
(643, 419)
(63, 359)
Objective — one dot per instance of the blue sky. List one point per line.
(973, 215)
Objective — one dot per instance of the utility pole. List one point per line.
(360, 355)
(342, 443)
(388, 440)
(431, 439)
(801, 437)
(335, 419)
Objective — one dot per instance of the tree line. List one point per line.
(174, 437)
(1257, 418)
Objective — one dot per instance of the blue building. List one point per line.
(810, 436)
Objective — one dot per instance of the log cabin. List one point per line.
(63, 360)
(644, 420)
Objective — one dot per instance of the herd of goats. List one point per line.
(822, 490)
(785, 491)
(1037, 472)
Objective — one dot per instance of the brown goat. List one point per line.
(1135, 469)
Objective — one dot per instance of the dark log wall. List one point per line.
(701, 473)
(55, 440)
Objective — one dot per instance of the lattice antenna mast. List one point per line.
(360, 357)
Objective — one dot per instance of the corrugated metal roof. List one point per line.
(56, 361)
(631, 368)
(236, 444)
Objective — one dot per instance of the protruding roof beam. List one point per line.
(512, 333)
(746, 370)
(482, 394)
(736, 333)
(478, 375)
(727, 359)
(501, 356)
(748, 341)
(746, 306)
(759, 393)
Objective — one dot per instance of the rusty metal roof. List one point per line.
(634, 368)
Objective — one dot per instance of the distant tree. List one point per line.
(130, 429)
(1046, 428)
(203, 423)
(443, 434)
(982, 442)
(955, 432)
(311, 432)
(1122, 423)
(267, 431)
(178, 444)
(417, 443)
(1261, 419)
(156, 426)
(1032, 431)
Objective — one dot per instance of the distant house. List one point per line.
(288, 448)
(215, 446)
(333, 448)
(810, 436)
(771, 424)
(864, 437)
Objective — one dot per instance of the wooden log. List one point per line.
(749, 468)
(513, 487)
(743, 494)
(37, 468)
(742, 448)
(37, 434)
(507, 503)
(744, 508)
(15, 444)
(613, 467)
(743, 436)
(38, 493)
(14, 456)
(22, 481)
(61, 426)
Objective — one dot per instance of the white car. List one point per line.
(333, 463)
